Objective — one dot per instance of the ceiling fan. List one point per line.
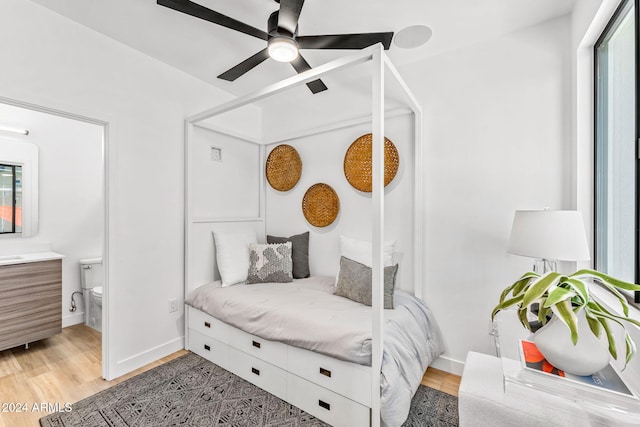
(283, 41)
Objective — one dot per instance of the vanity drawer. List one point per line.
(348, 379)
(256, 371)
(269, 351)
(208, 325)
(209, 348)
(326, 405)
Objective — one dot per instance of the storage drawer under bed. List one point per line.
(208, 325)
(345, 378)
(330, 407)
(270, 351)
(209, 348)
(265, 375)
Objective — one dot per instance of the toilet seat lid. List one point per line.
(97, 290)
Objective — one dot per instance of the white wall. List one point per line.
(497, 139)
(71, 208)
(57, 63)
(322, 161)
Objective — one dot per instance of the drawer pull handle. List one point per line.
(325, 372)
(255, 371)
(207, 324)
(324, 404)
(256, 344)
(206, 347)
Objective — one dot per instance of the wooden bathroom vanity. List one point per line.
(30, 298)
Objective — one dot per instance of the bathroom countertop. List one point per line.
(25, 258)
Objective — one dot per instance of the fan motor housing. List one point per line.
(274, 30)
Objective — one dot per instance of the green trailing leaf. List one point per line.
(599, 309)
(606, 278)
(630, 347)
(580, 288)
(557, 294)
(593, 322)
(539, 287)
(543, 312)
(613, 350)
(564, 311)
(522, 315)
(506, 304)
(523, 283)
(516, 288)
(621, 299)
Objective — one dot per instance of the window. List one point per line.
(10, 199)
(616, 164)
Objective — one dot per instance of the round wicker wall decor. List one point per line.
(320, 205)
(357, 163)
(283, 168)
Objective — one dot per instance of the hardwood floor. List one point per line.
(67, 368)
(441, 380)
(62, 369)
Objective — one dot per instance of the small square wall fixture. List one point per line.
(216, 154)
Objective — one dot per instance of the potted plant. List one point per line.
(570, 301)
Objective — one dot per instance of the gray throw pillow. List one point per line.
(299, 253)
(269, 263)
(354, 282)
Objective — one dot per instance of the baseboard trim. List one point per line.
(448, 364)
(73, 319)
(139, 360)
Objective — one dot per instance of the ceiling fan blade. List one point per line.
(246, 65)
(301, 65)
(289, 14)
(194, 9)
(345, 41)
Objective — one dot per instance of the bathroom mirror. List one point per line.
(19, 186)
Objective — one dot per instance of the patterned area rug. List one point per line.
(191, 391)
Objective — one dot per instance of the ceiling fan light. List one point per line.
(283, 49)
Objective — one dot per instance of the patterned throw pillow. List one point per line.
(270, 263)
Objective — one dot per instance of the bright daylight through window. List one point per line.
(616, 183)
(10, 199)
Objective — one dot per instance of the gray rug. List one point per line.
(191, 391)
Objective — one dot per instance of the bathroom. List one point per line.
(70, 203)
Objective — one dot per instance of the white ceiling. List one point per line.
(204, 50)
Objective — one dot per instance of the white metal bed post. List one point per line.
(188, 212)
(377, 284)
(418, 198)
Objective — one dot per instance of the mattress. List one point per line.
(306, 314)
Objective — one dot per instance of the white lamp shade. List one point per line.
(552, 235)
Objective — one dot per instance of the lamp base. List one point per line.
(543, 266)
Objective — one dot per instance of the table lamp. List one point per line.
(549, 236)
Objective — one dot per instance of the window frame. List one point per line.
(605, 33)
(14, 197)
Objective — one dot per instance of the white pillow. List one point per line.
(361, 251)
(232, 255)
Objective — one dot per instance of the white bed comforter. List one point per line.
(306, 314)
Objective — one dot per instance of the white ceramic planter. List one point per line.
(589, 355)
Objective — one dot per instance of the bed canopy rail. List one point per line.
(383, 73)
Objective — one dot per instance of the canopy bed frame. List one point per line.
(198, 230)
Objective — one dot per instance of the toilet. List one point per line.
(92, 278)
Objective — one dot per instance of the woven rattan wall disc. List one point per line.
(283, 168)
(357, 163)
(320, 205)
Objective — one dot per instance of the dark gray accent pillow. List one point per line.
(354, 282)
(299, 253)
